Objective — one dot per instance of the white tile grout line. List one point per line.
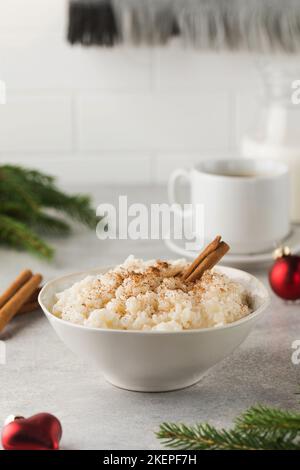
(232, 116)
(153, 167)
(74, 124)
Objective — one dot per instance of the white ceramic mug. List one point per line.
(245, 201)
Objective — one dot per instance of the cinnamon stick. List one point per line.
(31, 304)
(28, 308)
(209, 262)
(210, 248)
(23, 277)
(9, 310)
(34, 296)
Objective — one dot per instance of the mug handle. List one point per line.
(172, 191)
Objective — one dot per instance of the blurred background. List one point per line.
(115, 115)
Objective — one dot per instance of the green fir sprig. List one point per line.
(31, 205)
(258, 428)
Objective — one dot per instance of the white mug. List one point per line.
(244, 201)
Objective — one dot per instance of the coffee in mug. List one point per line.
(246, 201)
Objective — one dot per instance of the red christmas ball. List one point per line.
(284, 277)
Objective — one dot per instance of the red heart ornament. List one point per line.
(42, 431)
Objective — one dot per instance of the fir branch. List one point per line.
(25, 174)
(259, 428)
(12, 208)
(18, 235)
(77, 207)
(42, 189)
(272, 421)
(25, 197)
(50, 225)
(11, 191)
(41, 221)
(264, 417)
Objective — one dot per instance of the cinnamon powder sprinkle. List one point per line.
(150, 295)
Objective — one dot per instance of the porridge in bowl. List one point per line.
(153, 296)
(144, 322)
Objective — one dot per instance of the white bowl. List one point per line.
(154, 361)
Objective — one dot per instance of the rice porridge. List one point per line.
(150, 295)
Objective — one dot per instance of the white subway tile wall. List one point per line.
(103, 167)
(153, 122)
(120, 115)
(36, 124)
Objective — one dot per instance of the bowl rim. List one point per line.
(237, 323)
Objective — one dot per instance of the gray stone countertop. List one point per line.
(41, 374)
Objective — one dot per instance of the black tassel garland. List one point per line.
(92, 22)
(263, 26)
(145, 22)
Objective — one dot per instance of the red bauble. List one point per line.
(39, 432)
(284, 277)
